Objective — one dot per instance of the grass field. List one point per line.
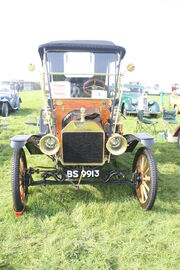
(100, 227)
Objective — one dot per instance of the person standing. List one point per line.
(173, 94)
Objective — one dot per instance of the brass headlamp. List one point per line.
(116, 144)
(49, 144)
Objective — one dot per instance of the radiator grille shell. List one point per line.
(83, 147)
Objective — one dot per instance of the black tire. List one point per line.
(19, 105)
(146, 176)
(5, 109)
(19, 181)
(178, 141)
(124, 110)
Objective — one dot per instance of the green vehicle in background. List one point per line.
(134, 98)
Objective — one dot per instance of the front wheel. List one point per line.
(146, 177)
(5, 109)
(19, 181)
(19, 104)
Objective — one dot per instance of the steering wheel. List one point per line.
(92, 85)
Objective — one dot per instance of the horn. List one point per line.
(116, 144)
(49, 144)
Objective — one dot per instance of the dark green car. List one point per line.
(134, 98)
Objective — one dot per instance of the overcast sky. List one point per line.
(148, 29)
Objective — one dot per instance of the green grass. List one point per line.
(100, 227)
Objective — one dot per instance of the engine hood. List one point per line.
(86, 126)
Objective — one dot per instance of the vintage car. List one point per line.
(9, 99)
(134, 98)
(80, 128)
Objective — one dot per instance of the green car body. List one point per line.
(134, 98)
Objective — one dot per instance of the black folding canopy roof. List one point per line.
(82, 45)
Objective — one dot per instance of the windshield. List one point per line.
(133, 89)
(4, 90)
(82, 74)
(8, 85)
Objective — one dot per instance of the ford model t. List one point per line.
(80, 126)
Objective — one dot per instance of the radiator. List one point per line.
(83, 148)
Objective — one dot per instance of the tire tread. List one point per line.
(17, 203)
(154, 175)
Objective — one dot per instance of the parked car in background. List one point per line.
(9, 100)
(134, 98)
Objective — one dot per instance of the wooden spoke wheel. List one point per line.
(146, 177)
(19, 181)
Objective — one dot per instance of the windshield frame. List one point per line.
(46, 75)
(108, 76)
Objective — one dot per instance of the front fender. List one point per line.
(127, 105)
(5, 100)
(30, 141)
(133, 139)
(154, 107)
(19, 141)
